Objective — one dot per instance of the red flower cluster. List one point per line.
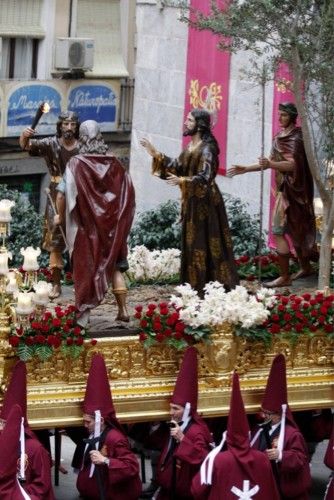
(302, 314)
(248, 266)
(49, 332)
(161, 323)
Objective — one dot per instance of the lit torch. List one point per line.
(43, 108)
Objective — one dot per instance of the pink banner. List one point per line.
(282, 93)
(207, 79)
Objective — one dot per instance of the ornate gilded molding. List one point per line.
(142, 380)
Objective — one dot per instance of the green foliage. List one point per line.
(26, 227)
(157, 229)
(245, 228)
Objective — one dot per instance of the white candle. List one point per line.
(42, 290)
(30, 258)
(4, 262)
(5, 206)
(24, 303)
(12, 286)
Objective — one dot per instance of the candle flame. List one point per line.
(45, 107)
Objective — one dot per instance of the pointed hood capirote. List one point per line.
(186, 386)
(16, 393)
(9, 446)
(237, 437)
(98, 395)
(276, 393)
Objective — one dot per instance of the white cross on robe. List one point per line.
(246, 493)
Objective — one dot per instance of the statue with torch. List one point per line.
(56, 151)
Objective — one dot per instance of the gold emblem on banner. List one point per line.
(283, 85)
(207, 96)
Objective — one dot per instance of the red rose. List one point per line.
(142, 336)
(168, 332)
(313, 328)
(306, 305)
(314, 313)
(275, 317)
(306, 296)
(139, 308)
(66, 328)
(69, 322)
(137, 315)
(298, 327)
(329, 328)
(29, 340)
(321, 319)
(151, 307)
(14, 340)
(56, 322)
(323, 310)
(69, 341)
(163, 312)
(284, 300)
(287, 317)
(50, 340)
(93, 342)
(79, 341)
(163, 305)
(281, 307)
(45, 328)
(244, 259)
(35, 325)
(313, 302)
(47, 315)
(143, 323)
(177, 335)
(77, 330)
(274, 329)
(56, 342)
(149, 313)
(160, 337)
(179, 327)
(157, 326)
(40, 339)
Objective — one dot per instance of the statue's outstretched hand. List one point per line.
(149, 147)
(236, 170)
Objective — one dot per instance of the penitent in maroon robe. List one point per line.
(329, 461)
(228, 474)
(188, 455)
(38, 470)
(120, 479)
(294, 468)
(100, 205)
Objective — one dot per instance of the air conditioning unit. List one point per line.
(74, 53)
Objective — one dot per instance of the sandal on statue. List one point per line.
(122, 317)
(302, 273)
(278, 282)
(55, 292)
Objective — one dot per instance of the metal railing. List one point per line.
(126, 104)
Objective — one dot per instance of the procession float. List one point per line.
(235, 330)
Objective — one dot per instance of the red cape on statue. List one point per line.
(100, 205)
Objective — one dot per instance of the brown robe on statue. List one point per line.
(100, 205)
(207, 250)
(56, 157)
(297, 191)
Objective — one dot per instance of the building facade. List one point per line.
(74, 54)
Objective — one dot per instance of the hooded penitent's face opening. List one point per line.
(176, 412)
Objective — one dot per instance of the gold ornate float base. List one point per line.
(142, 380)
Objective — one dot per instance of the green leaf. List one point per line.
(25, 352)
(44, 352)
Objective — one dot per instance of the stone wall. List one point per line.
(159, 105)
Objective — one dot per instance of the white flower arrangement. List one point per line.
(146, 265)
(218, 306)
